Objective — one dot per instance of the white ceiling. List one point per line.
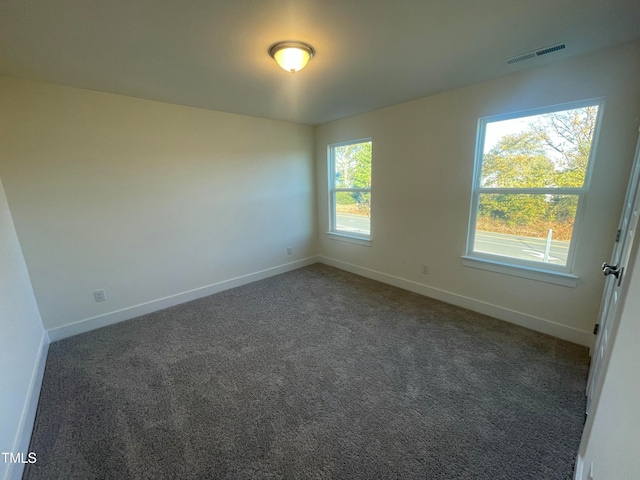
(370, 53)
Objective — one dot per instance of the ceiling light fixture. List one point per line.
(292, 56)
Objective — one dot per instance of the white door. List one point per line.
(614, 269)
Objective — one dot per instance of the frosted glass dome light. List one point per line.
(291, 56)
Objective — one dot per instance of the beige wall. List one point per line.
(22, 346)
(147, 200)
(423, 154)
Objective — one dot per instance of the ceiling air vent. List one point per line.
(535, 53)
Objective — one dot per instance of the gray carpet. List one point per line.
(316, 373)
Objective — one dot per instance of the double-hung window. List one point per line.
(350, 189)
(531, 176)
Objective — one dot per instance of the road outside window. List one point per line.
(532, 174)
(350, 188)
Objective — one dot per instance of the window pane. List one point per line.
(353, 212)
(530, 227)
(353, 165)
(538, 151)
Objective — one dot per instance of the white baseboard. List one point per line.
(554, 329)
(128, 313)
(25, 428)
(542, 325)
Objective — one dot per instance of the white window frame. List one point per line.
(334, 233)
(557, 274)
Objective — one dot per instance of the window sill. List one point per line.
(342, 237)
(533, 273)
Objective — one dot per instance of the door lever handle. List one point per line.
(611, 269)
(614, 270)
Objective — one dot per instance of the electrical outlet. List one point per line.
(425, 269)
(289, 250)
(99, 295)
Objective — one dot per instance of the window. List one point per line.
(531, 177)
(350, 189)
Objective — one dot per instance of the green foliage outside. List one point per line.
(345, 198)
(552, 152)
(353, 170)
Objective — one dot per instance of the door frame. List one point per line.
(622, 245)
(597, 377)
